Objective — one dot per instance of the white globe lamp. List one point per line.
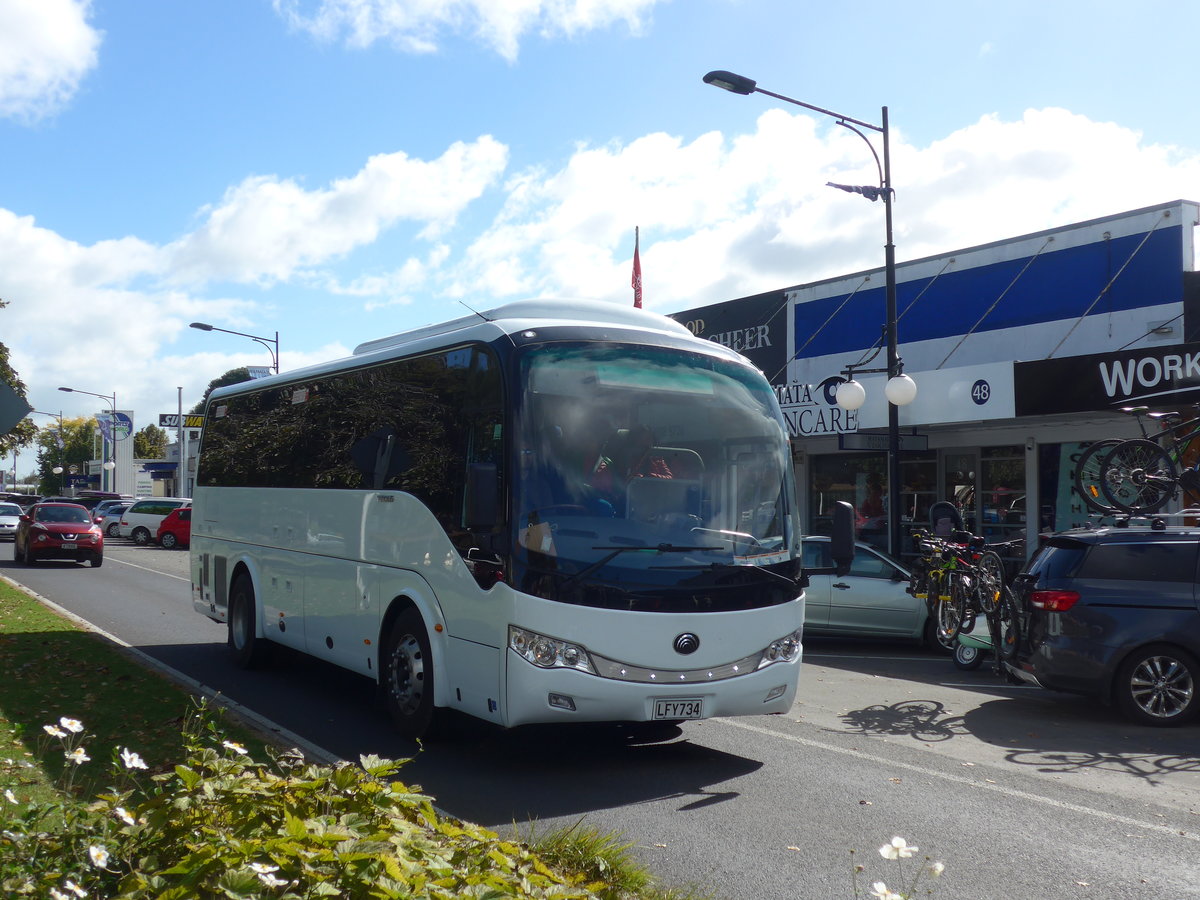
(850, 394)
(900, 390)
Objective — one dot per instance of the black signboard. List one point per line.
(755, 327)
(1158, 377)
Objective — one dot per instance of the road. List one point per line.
(1021, 792)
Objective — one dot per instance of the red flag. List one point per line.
(637, 272)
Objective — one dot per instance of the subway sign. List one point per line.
(171, 420)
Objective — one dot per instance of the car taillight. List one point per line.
(1054, 601)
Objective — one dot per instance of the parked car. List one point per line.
(176, 529)
(10, 518)
(870, 601)
(58, 531)
(102, 509)
(110, 522)
(1112, 612)
(140, 522)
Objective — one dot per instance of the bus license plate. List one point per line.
(689, 708)
(67, 546)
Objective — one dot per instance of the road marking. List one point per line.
(148, 569)
(969, 782)
(867, 656)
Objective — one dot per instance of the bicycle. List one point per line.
(1141, 475)
(958, 577)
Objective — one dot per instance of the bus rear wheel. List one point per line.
(249, 650)
(407, 678)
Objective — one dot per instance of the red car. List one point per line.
(175, 530)
(58, 531)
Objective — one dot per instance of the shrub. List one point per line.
(221, 824)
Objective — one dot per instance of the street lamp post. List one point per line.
(900, 388)
(109, 464)
(266, 342)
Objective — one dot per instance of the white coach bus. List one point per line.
(545, 512)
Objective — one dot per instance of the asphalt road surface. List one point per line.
(1021, 792)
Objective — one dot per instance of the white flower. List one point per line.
(10, 796)
(77, 756)
(123, 814)
(75, 889)
(236, 748)
(54, 731)
(98, 855)
(936, 869)
(270, 880)
(72, 725)
(263, 868)
(132, 760)
(56, 894)
(880, 890)
(897, 849)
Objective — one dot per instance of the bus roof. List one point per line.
(523, 314)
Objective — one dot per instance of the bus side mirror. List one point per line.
(483, 487)
(842, 540)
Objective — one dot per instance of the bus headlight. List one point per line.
(786, 649)
(548, 652)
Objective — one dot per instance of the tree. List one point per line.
(150, 443)
(24, 432)
(77, 447)
(233, 376)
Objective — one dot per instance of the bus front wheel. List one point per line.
(408, 677)
(248, 649)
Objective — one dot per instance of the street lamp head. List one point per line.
(203, 326)
(728, 81)
(68, 390)
(850, 394)
(900, 390)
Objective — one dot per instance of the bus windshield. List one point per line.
(644, 472)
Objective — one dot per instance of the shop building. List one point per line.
(1024, 351)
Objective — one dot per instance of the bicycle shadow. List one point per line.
(1071, 735)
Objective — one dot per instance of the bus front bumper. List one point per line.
(537, 695)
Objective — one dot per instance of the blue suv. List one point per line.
(1113, 612)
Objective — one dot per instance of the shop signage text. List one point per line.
(171, 420)
(809, 410)
(1159, 378)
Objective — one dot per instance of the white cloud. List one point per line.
(720, 218)
(46, 49)
(266, 228)
(415, 26)
(726, 218)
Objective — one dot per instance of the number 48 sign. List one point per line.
(981, 392)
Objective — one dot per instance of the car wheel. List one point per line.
(932, 640)
(141, 536)
(407, 682)
(97, 560)
(113, 530)
(168, 541)
(967, 658)
(1157, 686)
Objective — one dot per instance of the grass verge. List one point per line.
(52, 669)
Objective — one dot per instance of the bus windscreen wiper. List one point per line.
(759, 570)
(617, 551)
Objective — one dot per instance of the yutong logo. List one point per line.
(1124, 377)
(687, 643)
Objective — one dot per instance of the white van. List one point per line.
(140, 522)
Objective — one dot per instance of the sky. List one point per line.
(341, 170)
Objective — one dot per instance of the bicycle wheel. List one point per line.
(1138, 476)
(949, 612)
(989, 581)
(1008, 626)
(1087, 476)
